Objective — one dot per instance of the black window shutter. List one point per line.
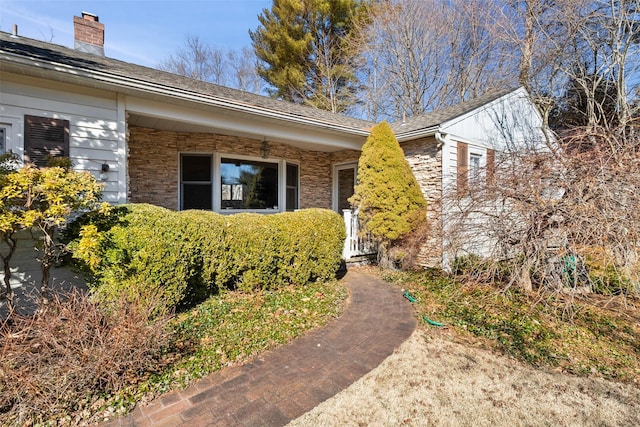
(45, 138)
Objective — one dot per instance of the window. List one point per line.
(45, 138)
(3, 140)
(248, 184)
(229, 184)
(292, 187)
(474, 167)
(196, 182)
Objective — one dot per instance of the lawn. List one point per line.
(502, 358)
(583, 334)
(75, 364)
(579, 336)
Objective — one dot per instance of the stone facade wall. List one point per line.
(425, 157)
(154, 158)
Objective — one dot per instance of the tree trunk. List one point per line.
(528, 42)
(9, 239)
(48, 258)
(524, 280)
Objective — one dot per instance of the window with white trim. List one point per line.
(292, 195)
(248, 184)
(475, 167)
(45, 138)
(228, 183)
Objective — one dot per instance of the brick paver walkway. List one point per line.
(291, 380)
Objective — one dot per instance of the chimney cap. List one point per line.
(90, 15)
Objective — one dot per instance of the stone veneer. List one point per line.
(154, 158)
(425, 158)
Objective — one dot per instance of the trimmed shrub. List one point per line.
(183, 257)
(388, 197)
(311, 244)
(141, 256)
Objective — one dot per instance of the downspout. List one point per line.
(443, 140)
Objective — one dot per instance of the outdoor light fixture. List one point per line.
(265, 149)
(103, 171)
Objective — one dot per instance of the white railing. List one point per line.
(356, 245)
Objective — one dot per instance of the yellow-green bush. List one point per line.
(141, 254)
(388, 197)
(186, 256)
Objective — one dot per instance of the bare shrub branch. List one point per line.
(563, 217)
(73, 352)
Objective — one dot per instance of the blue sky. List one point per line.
(144, 32)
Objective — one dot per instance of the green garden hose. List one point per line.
(432, 322)
(408, 296)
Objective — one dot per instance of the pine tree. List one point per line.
(388, 198)
(302, 53)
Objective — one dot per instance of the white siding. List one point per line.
(507, 122)
(93, 121)
(468, 236)
(450, 161)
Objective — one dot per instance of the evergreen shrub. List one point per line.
(183, 257)
(387, 196)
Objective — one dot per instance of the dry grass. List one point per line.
(580, 334)
(505, 359)
(432, 380)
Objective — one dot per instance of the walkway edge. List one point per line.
(287, 382)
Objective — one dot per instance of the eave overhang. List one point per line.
(34, 67)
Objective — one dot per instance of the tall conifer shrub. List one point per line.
(388, 198)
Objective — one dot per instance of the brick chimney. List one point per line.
(88, 34)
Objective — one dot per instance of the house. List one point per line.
(450, 148)
(159, 138)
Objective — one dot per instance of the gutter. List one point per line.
(443, 140)
(164, 90)
(418, 133)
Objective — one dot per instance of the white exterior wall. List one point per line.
(470, 237)
(96, 124)
(510, 122)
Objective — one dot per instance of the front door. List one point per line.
(344, 183)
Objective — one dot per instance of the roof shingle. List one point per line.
(39, 51)
(56, 54)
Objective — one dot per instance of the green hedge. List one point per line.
(186, 256)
